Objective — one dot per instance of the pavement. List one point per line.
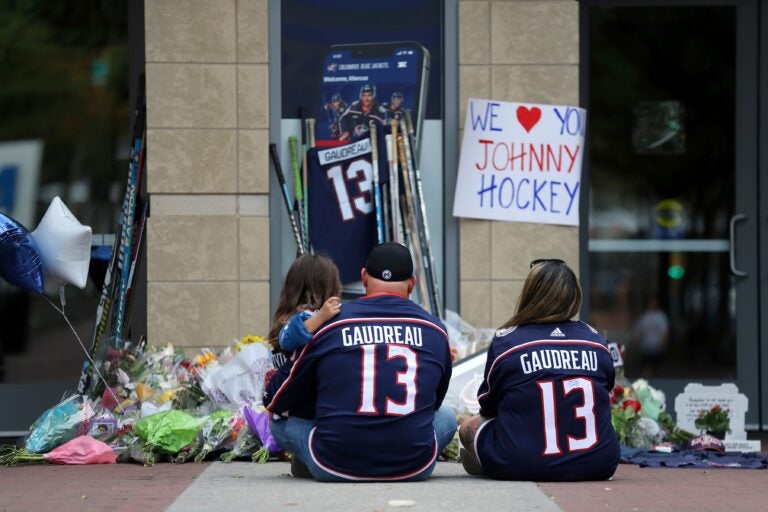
(215, 486)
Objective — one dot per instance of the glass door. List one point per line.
(671, 271)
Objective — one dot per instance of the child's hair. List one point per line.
(310, 281)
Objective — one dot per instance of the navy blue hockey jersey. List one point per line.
(546, 388)
(378, 370)
(342, 216)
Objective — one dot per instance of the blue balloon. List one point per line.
(20, 262)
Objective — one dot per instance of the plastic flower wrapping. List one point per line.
(59, 424)
(80, 450)
(246, 443)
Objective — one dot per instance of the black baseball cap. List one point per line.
(390, 261)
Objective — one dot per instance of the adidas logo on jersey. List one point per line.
(557, 332)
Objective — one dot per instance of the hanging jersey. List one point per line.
(546, 389)
(378, 371)
(342, 216)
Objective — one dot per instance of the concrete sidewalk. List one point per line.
(244, 486)
(270, 487)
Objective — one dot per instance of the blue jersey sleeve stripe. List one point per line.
(285, 383)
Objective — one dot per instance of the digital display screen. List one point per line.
(359, 88)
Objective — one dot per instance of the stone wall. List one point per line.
(521, 51)
(207, 170)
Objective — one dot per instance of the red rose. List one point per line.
(616, 393)
(716, 408)
(632, 403)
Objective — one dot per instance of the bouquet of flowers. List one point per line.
(59, 424)
(80, 450)
(245, 445)
(216, 432)
(714, 421)
(259, 423)
(165, 432)
(187, 453)
(639, 416)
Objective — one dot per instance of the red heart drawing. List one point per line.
(528, 117)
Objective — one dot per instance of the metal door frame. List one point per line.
(751, 299)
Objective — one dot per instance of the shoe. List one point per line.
(470, 464)
(299, 469)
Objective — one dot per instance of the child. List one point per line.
(309, 298)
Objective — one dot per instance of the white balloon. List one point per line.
(65, 246)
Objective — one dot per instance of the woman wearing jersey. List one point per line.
(544, 402)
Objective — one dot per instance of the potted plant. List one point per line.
(714, 421)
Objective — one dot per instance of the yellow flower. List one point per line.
(165, 396)
(143, 391)
(247, 340)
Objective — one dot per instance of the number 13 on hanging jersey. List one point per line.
(341, 209)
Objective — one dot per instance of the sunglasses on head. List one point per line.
(546, 260)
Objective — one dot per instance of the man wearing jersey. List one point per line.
(545, 410)
(355, 122)
(378, 373)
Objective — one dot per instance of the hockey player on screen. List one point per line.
(545, 412)
(355, 121)
(335, 109)
(395, 107)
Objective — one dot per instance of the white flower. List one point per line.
(641, 385)
(659, 396)
(122, 377)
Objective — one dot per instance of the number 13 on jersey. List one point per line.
(584, 413)
(405, 379)
(358, 174)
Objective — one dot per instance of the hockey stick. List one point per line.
(304, 163)
(418, 219)
(411, 225)
(425, 223)
(385, 208)
(311, 134)
(394, 184)
(376, 185)
(111, 285)
(135, 261)
(293, 147)
(102, 313)
(286, 196)
(126, 243)
(311, 130)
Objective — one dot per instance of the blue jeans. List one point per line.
(293, 435)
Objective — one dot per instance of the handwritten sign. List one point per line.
(521, 162)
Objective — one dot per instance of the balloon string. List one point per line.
(93, 364)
